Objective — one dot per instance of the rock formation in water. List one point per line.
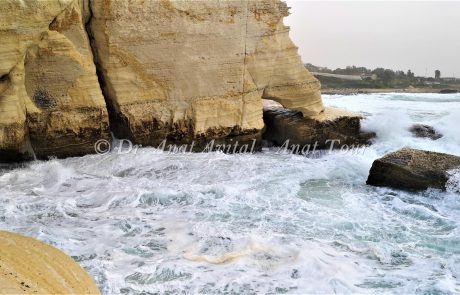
(176, 70)
(425, 131)
(331, 129)
(183, 70)
(28, 266)
(412, 169)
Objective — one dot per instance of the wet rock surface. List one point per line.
(413, 170)
(425, 131)
(333, 128)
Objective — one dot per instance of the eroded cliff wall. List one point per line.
(50, 97)
(197, 68)
(176, 70)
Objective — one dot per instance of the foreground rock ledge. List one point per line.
(332, 127)
(412, 169)
(28, 266)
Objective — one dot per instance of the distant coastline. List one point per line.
(356, 80)
(352, 91)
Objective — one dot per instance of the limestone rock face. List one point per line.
(412, 169)
(28, 266)
(168, 69)
(50, 97)
(182, 70)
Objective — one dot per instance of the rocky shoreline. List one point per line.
(76, 77)
(187, 72)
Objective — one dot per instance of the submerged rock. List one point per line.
(425, 131)
(28, 266)
(412, 169)
(332, 128)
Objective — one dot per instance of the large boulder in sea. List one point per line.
(331, 128)
(28, 266)
(412, 169)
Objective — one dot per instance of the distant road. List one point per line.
(345, 77)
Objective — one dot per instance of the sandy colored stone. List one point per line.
(185, 69)
(169, 69)
(28, 266)
(50, 99)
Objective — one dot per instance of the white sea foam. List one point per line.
(449, 126)
(453, 184)
(389, 125)
(264, 223)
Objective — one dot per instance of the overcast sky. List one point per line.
(421, 36)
